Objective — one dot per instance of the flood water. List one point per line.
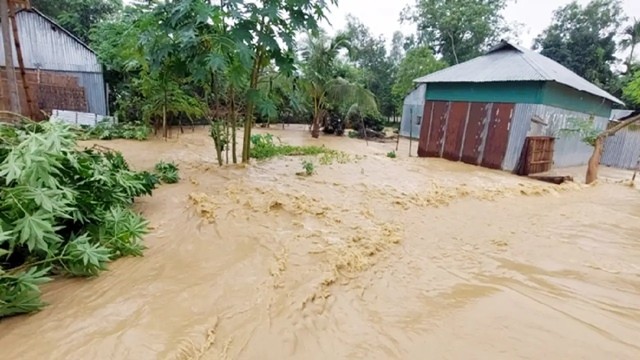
(371, 257)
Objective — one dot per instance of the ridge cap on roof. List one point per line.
(534, 65)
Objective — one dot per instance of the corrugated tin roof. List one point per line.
(616, 115)
(509, 62)
(54, 23)
(46, 46)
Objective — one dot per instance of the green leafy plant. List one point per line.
(584, 128)
(20, 292)
(167, 172)
(106, 130)
(332, 156)
(391, 154)
(309, 167)
(264, 147)
(62, 210)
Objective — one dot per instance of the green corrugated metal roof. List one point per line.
(508, 62)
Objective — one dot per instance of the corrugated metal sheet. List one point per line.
(412, 112)
(509, 62)
(569, 148)
(619, 114)
(622, 150)
(94, 91)
(45, 46)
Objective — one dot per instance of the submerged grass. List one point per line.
(264, 147)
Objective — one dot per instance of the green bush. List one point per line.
(308, 167)
(62, 210)
(263, 147)
(167, 172)
(391, 154)
(108, 131)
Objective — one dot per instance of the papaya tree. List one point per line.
(264, 31)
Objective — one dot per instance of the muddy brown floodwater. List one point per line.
(371, 258)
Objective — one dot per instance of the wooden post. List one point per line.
(399, 131)
(30, 111)
(12, 83)
(633, 179)
(410, 130)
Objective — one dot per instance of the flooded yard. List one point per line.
(371, 257)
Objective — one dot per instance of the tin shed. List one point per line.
(63, 73)
(412, 112)
(483, 111)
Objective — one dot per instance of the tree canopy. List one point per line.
(632, 90)
(78, 16)
(370, 54)
(582, 38)
(457, 30)
(418, 62)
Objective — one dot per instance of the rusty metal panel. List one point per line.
(498, 135)
(438, 125)
(473, 133)
(456, 124)
(425, 129)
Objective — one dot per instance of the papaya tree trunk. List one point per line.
(598, 148)
(234, 125)
(248, 121)
(164, 109)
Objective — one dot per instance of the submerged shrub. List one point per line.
(107, 130)
(62, 210)
(167, 172)
(263, 147)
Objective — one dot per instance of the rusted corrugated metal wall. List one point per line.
(569, 150)
(412, 112)
(622, 150)
(475, 133)
(48, 48)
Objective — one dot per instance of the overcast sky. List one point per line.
(382, 16)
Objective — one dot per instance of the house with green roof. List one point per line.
(493, 109)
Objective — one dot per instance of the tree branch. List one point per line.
(619, 127)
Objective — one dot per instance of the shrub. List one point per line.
(263, 147)
(391, 154)
(167, 172)
(108, 131)
(62, 210)
(309, 168)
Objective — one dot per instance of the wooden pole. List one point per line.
(23, 75)
(12, 83)
(399, 130)
(410, 130)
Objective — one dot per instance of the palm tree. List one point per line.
(320, 55)
(632, 33)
